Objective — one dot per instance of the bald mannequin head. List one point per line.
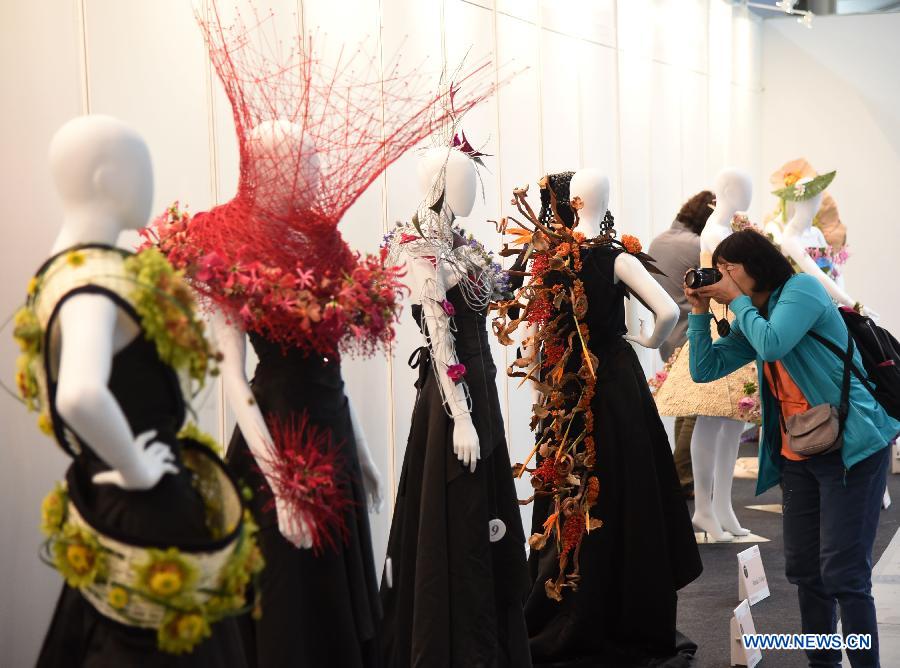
(102, 165)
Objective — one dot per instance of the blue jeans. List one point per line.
(830, 519)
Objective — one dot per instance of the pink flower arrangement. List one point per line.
(455, 372)
(349, 310)
(448, 307)
(746, 403)
(658, 379)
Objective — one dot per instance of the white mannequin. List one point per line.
(430, 284)
(796, 238)
(592, 187)
(271, 139)
(715, 442)
(104, 177)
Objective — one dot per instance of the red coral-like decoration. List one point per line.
(572, 532)
(305, 473)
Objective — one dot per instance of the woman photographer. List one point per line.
(831, 500)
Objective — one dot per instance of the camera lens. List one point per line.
(698, 278)
(692, 279)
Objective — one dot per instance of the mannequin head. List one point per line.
(591, 187)
(102, 171)
(287, 166)
(734, 190)
(805, 210)
(460, 179)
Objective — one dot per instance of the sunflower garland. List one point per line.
(562, 366)
(177, 594)
(169, 580)
(160, 297)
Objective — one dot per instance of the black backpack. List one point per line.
(880, 354)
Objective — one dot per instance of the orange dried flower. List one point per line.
(632, 244)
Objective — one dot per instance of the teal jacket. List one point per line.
(800, 305)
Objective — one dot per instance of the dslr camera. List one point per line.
(699, 278)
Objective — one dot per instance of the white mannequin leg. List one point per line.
(727, 444)
(703, 458)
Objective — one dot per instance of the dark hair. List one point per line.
(760, 258)
(559, 183)
(696, 210)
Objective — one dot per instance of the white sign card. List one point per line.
(742, 623)
(752, 583)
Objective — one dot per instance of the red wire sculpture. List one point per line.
(312, 136)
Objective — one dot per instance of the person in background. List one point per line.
(676, 250)
(831, 500)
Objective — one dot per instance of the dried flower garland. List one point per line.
(554, 301)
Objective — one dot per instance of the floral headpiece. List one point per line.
(799, 192)
(464, 146)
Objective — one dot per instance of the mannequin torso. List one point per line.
(592, 188)
(103, 174)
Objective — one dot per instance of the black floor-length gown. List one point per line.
(623, 613)
(316, 610)
(451, 596)
(170, 514)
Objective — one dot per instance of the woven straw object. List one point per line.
(124, 560)
(680, 396)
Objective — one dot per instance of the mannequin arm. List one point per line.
(773, 228)
(631, 272)
(370, 474)
(83, 398)
(793, 248)
(428, 284)
(232, 343)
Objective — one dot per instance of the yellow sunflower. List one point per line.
(53, 510)
(78, 557)
(182, 631)
(166, 574)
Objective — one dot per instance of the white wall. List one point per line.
(660, 94)
(832, 96)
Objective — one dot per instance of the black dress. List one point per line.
(316, 610)
(451, 596)
(171, 513)
(623, 613)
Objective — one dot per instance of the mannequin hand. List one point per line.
(295, 529)
(641, 339)
(372, 483)
(154, 461)
(465, 441)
